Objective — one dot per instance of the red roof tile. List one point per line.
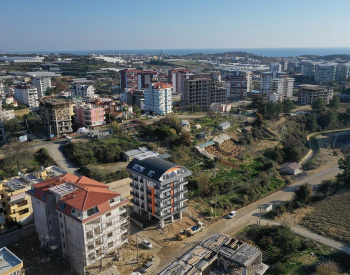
(161, 85)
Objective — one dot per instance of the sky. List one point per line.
(43, 25)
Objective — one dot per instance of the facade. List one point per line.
(177, 77)
(146, 77)
(2, 89)
(56, 115)
(307, 93)
(89, 115)
(27, 95)
(343, 72)
(292, 168)
(239, 83)
(80, 215)
(158, 98)
(202, 90)
(308, 68)
(277, 82)
(128, 78)
(326, 72)
(10, 264)
(7, 114)
(158, 187)
(42, 84)
(83, 91)
(22, 59)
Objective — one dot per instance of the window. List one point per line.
(61, 225)
(62, 205)
(64, 245)
(111, 200)
(108, 214)
(44, 197)
(60, 215)
(62, 235)
(150, 173)
(92, 211)
(110, 234)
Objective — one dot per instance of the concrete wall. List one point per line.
(16, 236)
(121, 186)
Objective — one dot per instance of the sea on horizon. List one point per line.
(270, 52)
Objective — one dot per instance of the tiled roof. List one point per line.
(161, 85)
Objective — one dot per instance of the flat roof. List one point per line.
(15, 184)
(9, 261)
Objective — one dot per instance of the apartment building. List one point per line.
(42, 84)
(89, 115)
(177, 77)
(238, 83)
(308, 68)
(158, 186)
(326, 72)
(158, 98)
(6, 114)
(10, 264)
(83, 91)
(307, 93)
(128, 78)
(56, 115)
(202, 90)
(2, 89)
(343, 72)
(16, 204)
(27, 95)
(146, 77)
(276, 82)
(80, 215)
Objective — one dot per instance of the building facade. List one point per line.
(158, 187)
(56, 116)
(83, 91)
(307, 94)
(177, 77)
(158, 98)
(89, 115)
(343, 72)
(27, 95)
(146, 77)
(239, 83)
(325, 73)
(128, 78)
(42, 84)
(80, 215)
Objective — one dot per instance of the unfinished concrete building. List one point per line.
(56, 116)
(308, 93)
(219, 254)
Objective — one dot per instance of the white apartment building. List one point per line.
(83, 91)
(277, 82)
(177, 79)
(343, 72)
(42, 84)
(239, 83)
(158, 98)
(307, 93)
(27, 95)
(158, 187)
(325, 72)
(80, 215)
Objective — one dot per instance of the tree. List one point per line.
(334, 102)
(137, 111)
(327, 268)
(304, 193)
(318, 104)
(288, 106)
(12, 125)
(344, 164)
(311, 123)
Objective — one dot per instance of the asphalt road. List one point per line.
(245, 216)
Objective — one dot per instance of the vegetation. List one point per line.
(97, 174)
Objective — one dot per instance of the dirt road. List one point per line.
(245, 216)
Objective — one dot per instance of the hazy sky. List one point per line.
(184, 24)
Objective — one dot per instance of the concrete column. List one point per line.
(162, 223)
(172, 219)
(225, 265)
(180, 215)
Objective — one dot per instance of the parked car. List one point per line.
(147, 244)
(232, 214)
(146, 267)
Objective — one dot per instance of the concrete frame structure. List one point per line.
(239, 83)
(158, 187)
(307, 93)
(80, 215)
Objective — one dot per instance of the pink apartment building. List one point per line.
(89, 115)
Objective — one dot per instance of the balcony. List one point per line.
(122, 210)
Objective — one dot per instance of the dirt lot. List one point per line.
(331, 217)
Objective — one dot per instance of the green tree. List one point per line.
(318, 104)
(288, 106)
(304, 193)
(344, 164)
(311, 123)
(334, 102)
(137, 111)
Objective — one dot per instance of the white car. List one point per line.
(147, 244)
(232, 214)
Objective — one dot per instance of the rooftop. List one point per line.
(14, 184)
(9, 261)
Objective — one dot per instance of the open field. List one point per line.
(331, 217)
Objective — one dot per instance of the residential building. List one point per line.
(224, 126)
(202, 90)
(219, 254)
(343, 72)
(307, 93)
(2, 89)
(177, 77)
(274, 97)
(6, 114)
(239, 83)
(56, 115)
(158, 98)
(325, 73)
(292, 168)
(9, 101)
(128, 78)
(89, 115)
(158, 186)
(146, 77)
(80, 215)
(42, 84)
(277, 82)
(27, 95)
(308, 68)
(83, 91)
(220, 108)
(133, 97)
(17, 206)
(10, 264)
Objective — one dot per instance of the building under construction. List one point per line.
(56, 116)
(219, 254)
